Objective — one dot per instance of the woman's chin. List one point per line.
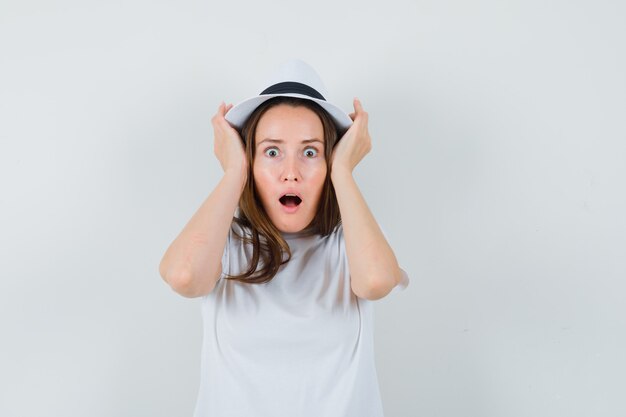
(291, 223)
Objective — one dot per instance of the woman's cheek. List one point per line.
(263, 166)
(321, 167)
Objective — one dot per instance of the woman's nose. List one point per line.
(290, 171)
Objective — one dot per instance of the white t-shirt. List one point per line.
(300, 345)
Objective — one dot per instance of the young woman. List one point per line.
(287, 283)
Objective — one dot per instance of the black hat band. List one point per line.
(292, 87)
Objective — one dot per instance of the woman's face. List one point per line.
(289, 159)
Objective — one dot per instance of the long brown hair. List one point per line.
(267, 242)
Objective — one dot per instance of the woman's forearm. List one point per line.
(192, 263)
(374, 269)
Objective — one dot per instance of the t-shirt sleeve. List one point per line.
(405, 276)
(404, 283)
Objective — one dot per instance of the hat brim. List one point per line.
(239, 113)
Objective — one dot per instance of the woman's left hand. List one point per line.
(354, 144)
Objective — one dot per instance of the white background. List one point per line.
(497, 170)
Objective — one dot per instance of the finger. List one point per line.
(352, 115)
(357, 105)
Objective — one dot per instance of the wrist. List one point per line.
(340, 171)
(236, 175)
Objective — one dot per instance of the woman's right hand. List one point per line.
(227, 143)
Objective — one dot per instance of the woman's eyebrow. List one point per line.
(282, 141)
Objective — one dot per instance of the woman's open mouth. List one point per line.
(290, 202)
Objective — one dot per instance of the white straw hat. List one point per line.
(295, 78)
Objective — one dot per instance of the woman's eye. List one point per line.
(272, 152)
